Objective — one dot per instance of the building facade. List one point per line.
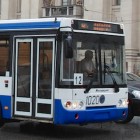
(126, 12)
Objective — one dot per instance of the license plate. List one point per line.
(92, 100)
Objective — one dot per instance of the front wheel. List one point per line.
(129, 117)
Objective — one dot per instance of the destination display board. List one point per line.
(97, 26)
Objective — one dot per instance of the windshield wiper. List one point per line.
(107, 69)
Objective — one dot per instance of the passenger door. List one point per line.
(34, 71)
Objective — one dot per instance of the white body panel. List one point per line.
(111, 98)
(6, 91)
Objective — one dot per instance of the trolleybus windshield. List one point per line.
(105, 50)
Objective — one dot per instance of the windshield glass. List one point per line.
(96, 58)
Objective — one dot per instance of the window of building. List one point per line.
(72, 2)
(18, 6)
(48, 3)
(66, 2)
(79, 2)
(0, 7)
(116, 2)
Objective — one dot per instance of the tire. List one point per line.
(1, 120)
(129, 117)
(1, 123)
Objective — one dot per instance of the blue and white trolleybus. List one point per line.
(43, 71)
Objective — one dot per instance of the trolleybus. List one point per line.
(42, 75)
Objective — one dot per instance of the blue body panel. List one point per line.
(6, 101)
(28, 25)
(63, 116)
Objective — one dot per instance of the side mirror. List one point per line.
(68, 48)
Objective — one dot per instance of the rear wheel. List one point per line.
(1, 123)
(1, 120)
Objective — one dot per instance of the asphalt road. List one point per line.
(97, 131)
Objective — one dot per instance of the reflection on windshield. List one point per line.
(112, 58)
(91, 54)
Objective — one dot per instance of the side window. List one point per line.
(66, 2)
(0, 7)
(116, 2)
(4, 55)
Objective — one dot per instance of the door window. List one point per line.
(24, 69)
(45, 70)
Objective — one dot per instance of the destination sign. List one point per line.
(97, 26)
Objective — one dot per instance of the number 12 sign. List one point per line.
(78, 78)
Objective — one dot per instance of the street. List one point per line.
(97, 131)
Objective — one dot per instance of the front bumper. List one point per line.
(90, 115)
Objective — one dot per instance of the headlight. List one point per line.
(74, 105)
(136, 93)
(122, 103)
(119, 102)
